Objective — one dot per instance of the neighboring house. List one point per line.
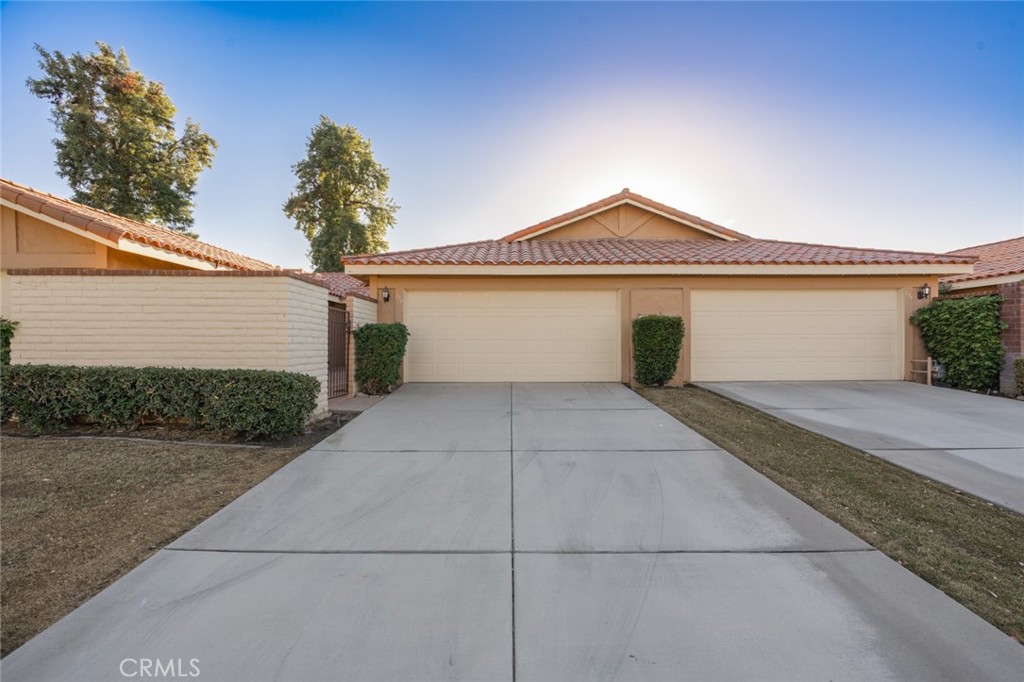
(998, 270)
(40, 230)
(554, 302)
(91, 288)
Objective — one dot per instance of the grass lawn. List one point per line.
(80, 513)
(969, 549)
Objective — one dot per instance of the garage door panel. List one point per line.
(794, 335)
(512, 336)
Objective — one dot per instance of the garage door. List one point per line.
(512, 336)
(794, 335)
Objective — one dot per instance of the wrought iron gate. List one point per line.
(338, 324)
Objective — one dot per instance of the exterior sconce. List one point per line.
(386, 294)
(922, 293)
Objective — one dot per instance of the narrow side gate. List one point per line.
(338, 327)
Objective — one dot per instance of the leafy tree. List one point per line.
(118, 148)
(340, 201)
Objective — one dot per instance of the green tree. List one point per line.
(340, 201)
(117, 145)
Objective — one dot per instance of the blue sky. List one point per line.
(878, 124)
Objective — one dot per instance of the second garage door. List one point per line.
(795, 335)
(512, 336)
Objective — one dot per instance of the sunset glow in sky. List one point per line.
(876, 124)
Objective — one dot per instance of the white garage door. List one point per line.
(795, 335)
(512, 336)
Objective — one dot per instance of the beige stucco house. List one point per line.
(40, 230)
(91, 288)
(554, 301)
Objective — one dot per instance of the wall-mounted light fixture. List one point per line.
(922, 293)
(386, 294)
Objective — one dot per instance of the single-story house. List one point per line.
(999, 270)
(554, 301)
(92, 288)
(41, 230)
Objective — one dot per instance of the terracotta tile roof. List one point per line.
(115, 228)
(998, 259)
(651, 252)
(102, 272)
(624, 195)
(343, 285)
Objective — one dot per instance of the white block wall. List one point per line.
(246, 322)
(306, 335)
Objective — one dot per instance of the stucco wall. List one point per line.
(198, 320)
(625, 221)
(27, 242)
(362, 312)
(650, 299)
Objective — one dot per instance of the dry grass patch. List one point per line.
(966, 547)
(80, 513)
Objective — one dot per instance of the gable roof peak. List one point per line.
(626, 196)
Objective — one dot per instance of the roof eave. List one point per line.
(863, 269)
(985, 281)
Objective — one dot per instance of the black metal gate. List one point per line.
(337, 350)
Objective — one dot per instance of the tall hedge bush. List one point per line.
(657, 340)
(7, 328)
(249, 403)
(962, 334)
(380, 349)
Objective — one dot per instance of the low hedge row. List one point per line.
(249, 403)
(1018, 372)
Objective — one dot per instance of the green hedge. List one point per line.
(657, 340)
(249, 403)
(1018, 373)
(379, 351)
(962, 334)
(7, 328)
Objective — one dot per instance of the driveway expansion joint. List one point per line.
(553, 552)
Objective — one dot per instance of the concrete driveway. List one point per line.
(971, 442)
(552, 532)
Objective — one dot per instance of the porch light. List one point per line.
(386, 294)
(922, 293)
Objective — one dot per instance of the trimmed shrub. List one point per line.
(380, 348)
(7, 328)
(962, 335)
(657, 340)
(1018, 373)
(249, 403)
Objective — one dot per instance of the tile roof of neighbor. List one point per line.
(342, 285)
(114, 228)
(998, 259)
(624, 195)
(651, 252)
